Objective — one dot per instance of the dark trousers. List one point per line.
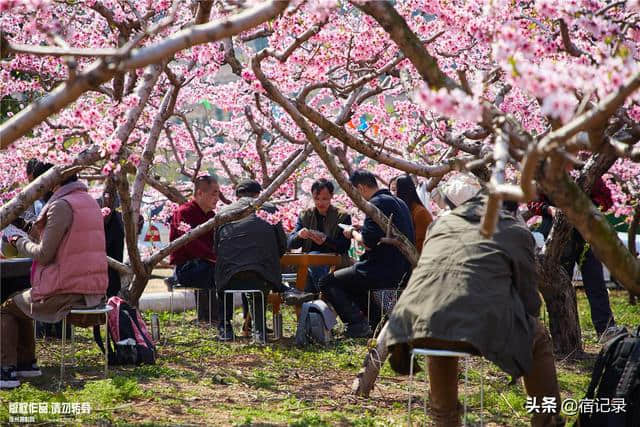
(315, 274)
(245, 281)
(200, 274)
(347, 291)
(593, 281)
(17, 345)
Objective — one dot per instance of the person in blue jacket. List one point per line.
(381, 266)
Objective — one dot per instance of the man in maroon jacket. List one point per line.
(590, 266)
(195, 261)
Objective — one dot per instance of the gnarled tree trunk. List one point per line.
(555, 284)
(558, 292)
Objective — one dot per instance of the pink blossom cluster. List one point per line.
(521, 40)
(455, 104)
(184, 227)
(271, 218)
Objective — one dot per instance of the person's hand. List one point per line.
(304, 233)
(318, 237)
(13, 239)
(347, 233)
(552, 211)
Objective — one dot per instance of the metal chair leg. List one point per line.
(106, 340)
(444, 353)
(264, 318)
(254, 327)
(73, 345)
(196, 293)
(481, 391)
(410, 389)
(224, 321)
(64, 329)
(210, 296)
(369, 307)
(171, 308)
(184, 308)
(466, 376)
(254, 324)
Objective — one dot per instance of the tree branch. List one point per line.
(361, 147)
(406, 246)
(130, 225)
(407, 41)
(259, 132)
(102, 71)
(231, 213)
(38, 187)
(169, 192)
(204, 11)
(164, 112)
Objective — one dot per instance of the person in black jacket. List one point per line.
(114, 237)
(381, 266)
(248, 257)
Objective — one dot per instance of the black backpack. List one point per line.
(615, 383)
(130, 342)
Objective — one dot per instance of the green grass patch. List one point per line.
(199, 381)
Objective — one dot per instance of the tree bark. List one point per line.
(169, 192)
(577, 211)
(631, 243)
(558, 292)
(592, 224)
(165, 110)
(373, 361)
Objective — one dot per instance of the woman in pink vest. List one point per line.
(68, 247)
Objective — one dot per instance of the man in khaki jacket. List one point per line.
(477, 295)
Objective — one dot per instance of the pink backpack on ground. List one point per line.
(132, 343)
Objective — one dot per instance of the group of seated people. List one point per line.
(468, 292)
(245, 254)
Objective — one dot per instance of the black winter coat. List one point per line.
(385, 262)
(249, 244)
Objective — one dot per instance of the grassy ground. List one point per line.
(198, 381)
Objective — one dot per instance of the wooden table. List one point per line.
(303, 261)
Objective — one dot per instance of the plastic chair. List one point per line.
(97, 311)
(443, 353)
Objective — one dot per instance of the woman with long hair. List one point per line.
(404, 188)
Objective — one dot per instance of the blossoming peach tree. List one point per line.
(147, 95)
